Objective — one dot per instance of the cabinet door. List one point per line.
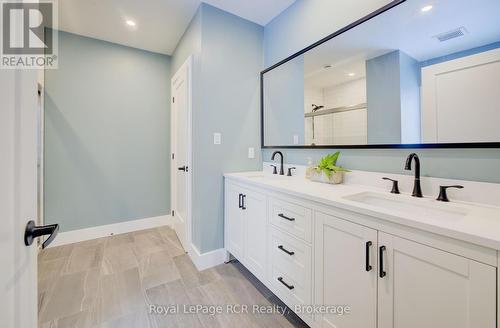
(345, 272)
(254, 210)
(427, 287)
(233, 218)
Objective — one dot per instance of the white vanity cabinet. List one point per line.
(412, 285)
(389, 275)
(345, 271)
(246, 227)
(427, 287)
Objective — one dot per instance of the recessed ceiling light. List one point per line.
(130, 22)
(327, 66)
(426, 8)
(351, 74)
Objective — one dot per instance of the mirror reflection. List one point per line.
(418, 73)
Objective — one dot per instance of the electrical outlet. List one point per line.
(295, 139)
(251, 152)
(217, 138)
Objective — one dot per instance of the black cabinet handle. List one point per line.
(243, 207)
(280, 279)
(239, 201)
(183, 168)
(368, 267)
(381, 250)
(33, 232)
(281, 215)
(285, 250)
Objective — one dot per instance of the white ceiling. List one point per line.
(160, 23)
(404, 28)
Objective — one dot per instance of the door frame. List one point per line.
(186, 67)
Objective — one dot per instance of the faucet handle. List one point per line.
(443, 196)
(275, 171)
(395, 185)
(290, 171)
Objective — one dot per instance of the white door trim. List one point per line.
(187, 67)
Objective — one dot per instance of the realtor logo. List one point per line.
(29, 34)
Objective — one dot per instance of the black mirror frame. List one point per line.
(374, 146)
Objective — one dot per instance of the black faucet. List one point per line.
(282, 172)
(417, 190)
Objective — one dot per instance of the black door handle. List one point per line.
(243, 207)
(183, 168)
(368, 267)
(381, 250)
(239, 201)
(286, 250)
(283, 216)
(280, 279)
(33, 232)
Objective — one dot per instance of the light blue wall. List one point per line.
(409, 79)
(226, 101)
(460, 54)
(189, 44)
(284, 99)
(307, 21)
(383, 96)
(107, 130)
(393, 97)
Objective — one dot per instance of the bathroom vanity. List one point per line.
(393, 260)
(406, 76)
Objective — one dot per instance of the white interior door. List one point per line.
(181, 153)
(460, 99)
(18, 197)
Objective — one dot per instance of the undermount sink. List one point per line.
(412, 206)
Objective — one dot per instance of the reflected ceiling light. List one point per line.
(351, 74)
(426, 8)
(130, 22)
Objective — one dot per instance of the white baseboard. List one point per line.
(208, 259)
(76, 236)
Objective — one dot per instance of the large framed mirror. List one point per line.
(415, 73)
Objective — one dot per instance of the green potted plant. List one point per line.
(327, 170)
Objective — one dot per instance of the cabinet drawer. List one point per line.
(290, 260)
(293, 218)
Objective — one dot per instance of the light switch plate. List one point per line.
(217, 138)
(251, 152)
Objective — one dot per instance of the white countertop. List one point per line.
(476, 223)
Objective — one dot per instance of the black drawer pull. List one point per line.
(285, 250)
(281, 215)
(368, 267)
(239, 200)
(280, 279)
(243, 207)
(381, 250)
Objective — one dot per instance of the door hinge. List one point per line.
(173, 213)
(173, 156)
(173, 100)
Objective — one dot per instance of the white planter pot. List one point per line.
(335, 178)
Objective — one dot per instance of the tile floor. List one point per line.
(112, 281)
